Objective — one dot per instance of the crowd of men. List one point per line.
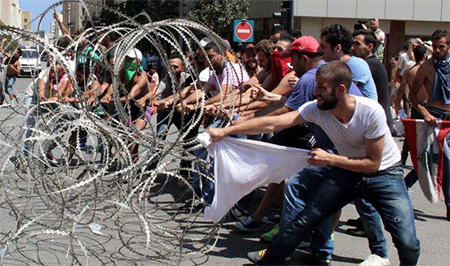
(331, 96)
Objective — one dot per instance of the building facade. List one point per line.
(73, 16)
(399, 19)
(11, 13)
(26, 20)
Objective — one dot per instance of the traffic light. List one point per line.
(284, 15)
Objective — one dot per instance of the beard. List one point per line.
(252, 65)
(328, 103)
(440, 56)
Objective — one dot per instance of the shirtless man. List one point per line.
(425, 77)
(408, 79)
(437, 105)
(407, 82)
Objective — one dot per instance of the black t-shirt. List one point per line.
(380, 77)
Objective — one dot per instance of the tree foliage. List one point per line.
(218, 15)
(156, 9)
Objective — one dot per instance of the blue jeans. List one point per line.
(203, 187)
(373, 227)
(297, 192)
(337, 187)
(9, 84)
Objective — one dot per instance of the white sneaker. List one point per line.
(375, 260)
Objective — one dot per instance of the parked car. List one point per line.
(30, 62)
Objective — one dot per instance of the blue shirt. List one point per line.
(363, 77)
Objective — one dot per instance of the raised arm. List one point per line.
(63, 27)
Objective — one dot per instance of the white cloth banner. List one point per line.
(242, 165)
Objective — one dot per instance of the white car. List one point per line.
(30, 62)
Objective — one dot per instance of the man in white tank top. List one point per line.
(368, 164)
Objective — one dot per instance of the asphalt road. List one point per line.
(432, 229)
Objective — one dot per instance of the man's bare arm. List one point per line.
(63, 28)
(282, 89)
(136, 90)
(258, 125)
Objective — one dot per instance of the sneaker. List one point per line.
(256, 256)
(237, 213)
(247, 225)
(271, 220)
(309, 259)
(375, 260)
(269, 236)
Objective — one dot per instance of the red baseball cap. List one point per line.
(305, 44)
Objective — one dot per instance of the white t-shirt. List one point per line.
(368, 122)
(32, 88)
(232, 74)
(404, 63)
(155, 78)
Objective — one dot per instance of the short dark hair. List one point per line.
(174, 56)
(438, 34)
(284, 36)
(112, 36)
(336, 34)
(19, 51)
(296, 33)
(420, 52)
(369, 37)
(214, 46)
(278, 29)
(337, 72)
(62, 42)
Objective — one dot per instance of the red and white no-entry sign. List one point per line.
(243, 31)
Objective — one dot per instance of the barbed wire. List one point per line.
(104, 206)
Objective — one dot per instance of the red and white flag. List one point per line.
(426, 146)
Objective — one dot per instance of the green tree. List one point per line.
(156, 9)
(219, 15)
